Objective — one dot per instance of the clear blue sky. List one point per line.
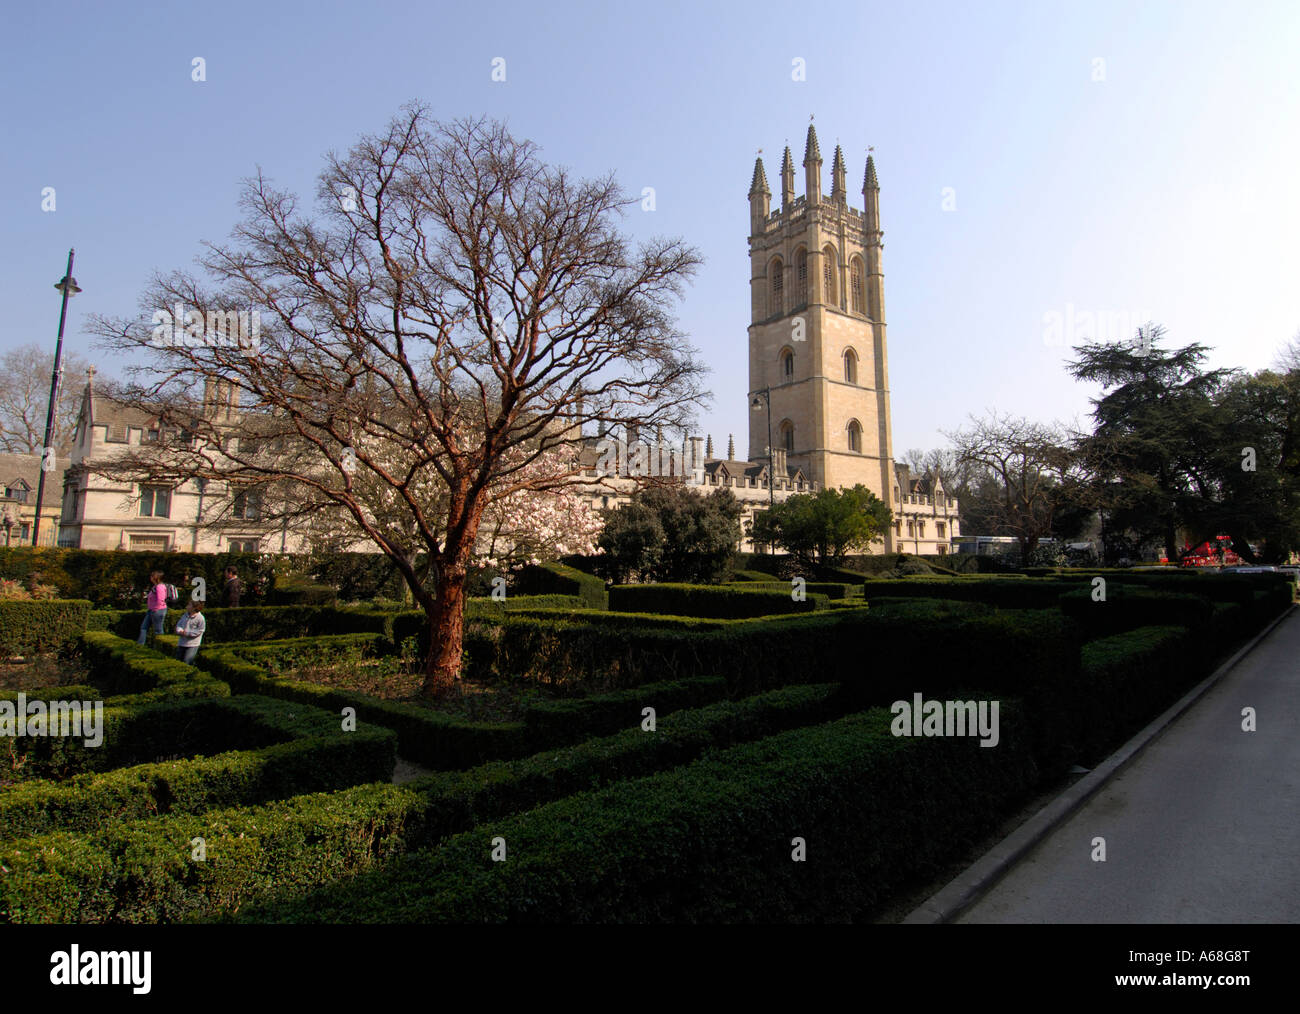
(1165, 190)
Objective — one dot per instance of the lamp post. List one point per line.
(766, 396)
(68, 286)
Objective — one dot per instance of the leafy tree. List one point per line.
(825, 526)
(1157, 438)
(1256, 462)
(669, 533)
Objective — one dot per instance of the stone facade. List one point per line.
(100, 513)
(817, 332)
(19, 481)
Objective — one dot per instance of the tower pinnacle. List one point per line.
(811, 151)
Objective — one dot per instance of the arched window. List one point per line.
(850, 367)
(787, 435)
(855, 436)
(855, 286)
(800, 277)
(778, 288)
(787, 366)
(828, 276)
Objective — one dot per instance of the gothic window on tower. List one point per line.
(828, 276)
(787, 435)
(850, 367)
(801, 277)
(855, 436)
(787, 365)
(778, 287)
(855, 284)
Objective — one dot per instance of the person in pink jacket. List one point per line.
(155, 601)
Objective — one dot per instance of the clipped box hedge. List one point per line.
(833, 590)
(1021, 593)
(175, 728)
(317, 755)
(120, 667)
(711, 841)
(427, 737)
(40, 625)
(444, 742)
(559, 579)
(1127, 608)
(141, 871)
(572, 719)
(1132, 677)
(255, 623)
(709, 601)
(755, 575)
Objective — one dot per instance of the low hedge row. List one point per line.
(140, 871)
(559, 579)
(427, 737)
(444, 742)
(253, 623)
(720, 602)
(133, 733)
(319, 757)
(831, 589)
(711, 841)
(1131, 677)
(120, 667)
(761, 653)
(41, 625)
(1127, 608)
(289, 653)
(569, 720)
(754, 575)
(1024, 593)
(623, 621)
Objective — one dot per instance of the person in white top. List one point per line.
(189, 629)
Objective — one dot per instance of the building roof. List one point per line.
(18, 469)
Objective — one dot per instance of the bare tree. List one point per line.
(454, 314)
(1033, 465)
(25, 399)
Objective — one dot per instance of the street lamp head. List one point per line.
(757, 403)
(69, 284)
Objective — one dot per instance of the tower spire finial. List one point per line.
(787, 178)
(811, 151)
(839, 176)
(759, 183)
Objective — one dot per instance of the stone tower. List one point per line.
(817, 337)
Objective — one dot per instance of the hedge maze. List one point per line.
(710, 754)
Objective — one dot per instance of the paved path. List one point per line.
(1204, 826)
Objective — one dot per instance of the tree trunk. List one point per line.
(446, 633)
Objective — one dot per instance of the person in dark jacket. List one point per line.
(232, 587)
